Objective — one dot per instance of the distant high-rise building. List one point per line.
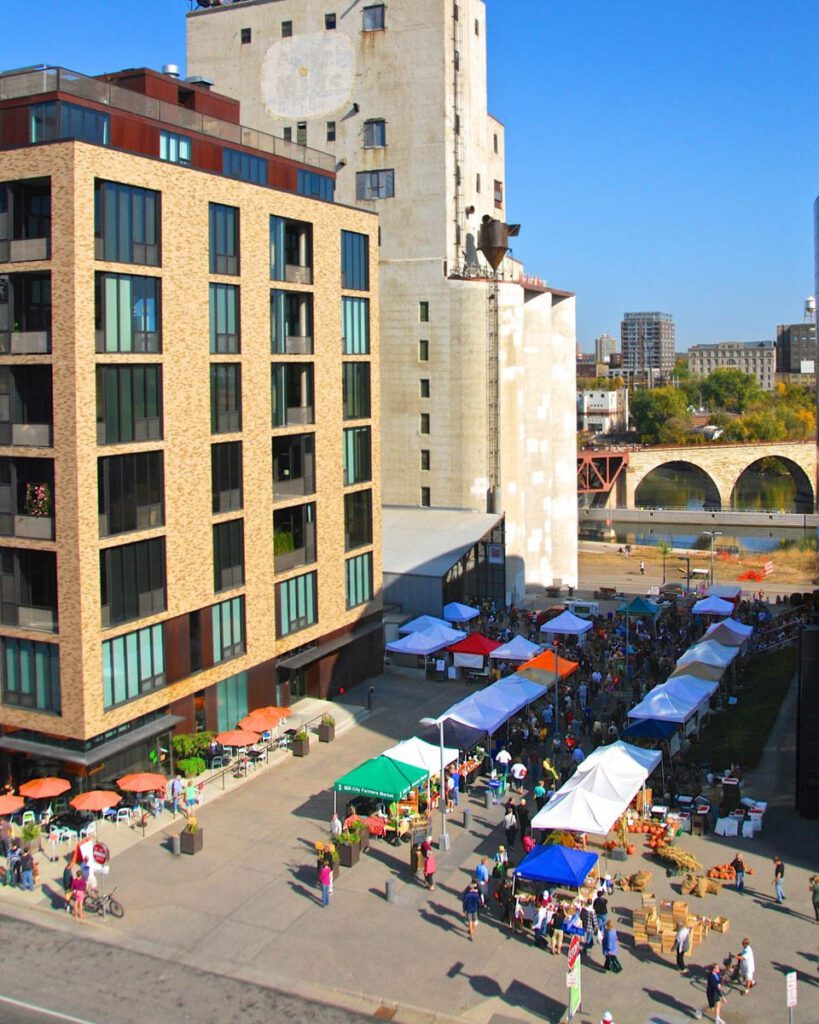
(647, 343)
(604, 347)
(753, 357)
(796, 348)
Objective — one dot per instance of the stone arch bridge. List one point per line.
(724, 464)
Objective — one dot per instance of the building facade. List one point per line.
(604, 348)
(647, 345)
(602, 411)
(758, 358)
(189, 510)
(477, 371)
(796, 348)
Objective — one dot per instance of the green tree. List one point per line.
(730, 390)
(660, 415)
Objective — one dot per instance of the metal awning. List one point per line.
(100, 753)
(322, 650)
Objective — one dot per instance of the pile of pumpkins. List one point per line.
(726, 872)
(657, 834)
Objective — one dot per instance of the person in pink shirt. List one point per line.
(325, 881)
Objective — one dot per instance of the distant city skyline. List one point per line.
(644, 176)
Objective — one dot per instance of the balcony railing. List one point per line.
(25, 343)
(21, 84)
(26, 435)
(44, 619)
(295, 487)
(294, 274)
(23, 250)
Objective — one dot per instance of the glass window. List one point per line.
(424, 422)
(424, 383)
(228, 555)
(291, 323)
(30, 674)
(287, 29)
(375, 184)
(301, 133)
(296, 604)
(317, 186)
(375, 133)
(129, 404)
(329, 21)
(225, 398)
(44, 121)
(358, 519)
(224, 319)
(355, 326)
(294, 472)
(423, 312)
(246, 36)
(423, 350)
(359, 579)
(426, 499)
(132, 581)
(228, 629)
(373, 18)
(132, 665)
(287, 133)
(176, 149)
(74, 122)
(224, 239)
(331, 131)
(130, 492)
(355, 386)
(28, 589)
(425, 458)
(244, 166)
(226, 476)
(231, 701)
(498, 194)
(128, 313)
(294, 537)
(355, 261)
(291, 392)
(357, 455)
(126, 223)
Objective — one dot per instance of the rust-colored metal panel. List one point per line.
(184, 708)
(206, 632)
(281, 174)
(261, 684)
(177, 648)
(206, 155)
(134, 134)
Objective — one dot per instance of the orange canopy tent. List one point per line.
(545, 667)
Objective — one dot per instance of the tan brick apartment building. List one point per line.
(189, 435)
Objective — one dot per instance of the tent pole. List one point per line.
(335, 802)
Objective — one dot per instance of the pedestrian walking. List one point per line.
(430, 868)
(191, 798)
(601, 908)
(6, 836)
(450, 793)
(747, 966)
(611, 945)
(518, 773)
(14, 870)
(336, 828)
(510, 825)
(482, 878)
(507, 902)
(779, 875)
(713, 994)
(556, 925)
(814, 890)
(738, 864)
(682, 946)
(588, 920)
(79, 887)
(503, 759)
(524, 818)
(176, 788)
(326, 882)
(471, 904)
(607, 1018)
(27, 870)
(540, 794)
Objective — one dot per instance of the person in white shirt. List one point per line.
(503, 759)
(747, 966)
(518, 772)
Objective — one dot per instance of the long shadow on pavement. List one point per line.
(804, 978)
(664, 999)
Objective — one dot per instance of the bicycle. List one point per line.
(95, 903)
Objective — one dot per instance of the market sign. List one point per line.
(790, 989)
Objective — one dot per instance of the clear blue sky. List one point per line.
(660, 155)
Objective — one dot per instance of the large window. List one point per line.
(355, 326)
(133, 665)
(31, 674)
(316, 186)
(375, 184)
(126, 223)
(132, 581)
(224, 319)
(355, 261)
(55, 120)
(296, 604)
(359, 579)
(357, 455)
(228, 629)
(294, 469)
(373, 18)
(355, 381)
(130, 493)
(291, 323)
(129, 404)
(244, 166)
(225, 398)
(291, 390)
(176, 149)
(226, 476)
(231, 701)
(25, 405)
(294, 537)
(28, 589)
(358, 519)
(224, 239)
(375, 133)
(228, 555)
(128, 317)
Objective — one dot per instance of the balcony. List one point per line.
(294, 537)
(25, 221)
(24, 250)
(26, 498)
(44, 619)
(293, 466)
(291, 323)
(297, 274)
(25, 406)
(25, 314)
(292, 394)
(28, 585)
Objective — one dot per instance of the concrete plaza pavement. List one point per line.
(247, 906)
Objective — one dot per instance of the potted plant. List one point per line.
(191, 837)
(301, 743)
(359, 829)
(349, 848)
(31, 836)
(327, 729)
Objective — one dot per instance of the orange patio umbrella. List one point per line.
(261, 719)
(95, 800)
(237, 737)
(44, 789)
(9, 804)
(142, 782)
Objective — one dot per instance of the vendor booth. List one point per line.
(575, 809)
(729, 633)
(472, 655)
(456, 612)
(556, 865)
(518, 649)
(394, 782)
(709, 652)
(545, 668)
(423, 622)
(567, 624)
(713, 606)
(420, 754)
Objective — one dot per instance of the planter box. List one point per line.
(348, 855)
(34, 527)
(327, 733)
(364, 843)
(301, 748)
(191, 842)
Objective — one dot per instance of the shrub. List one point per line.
(191, 744)
(191, 766)
(328, 720)
(31, 832)
(301, 734)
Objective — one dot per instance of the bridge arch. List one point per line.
(664, 487)
(802, 500)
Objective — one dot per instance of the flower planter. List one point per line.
(301, 748)
(191, 842)
(364, 840)
(349, 855)
(327, 733)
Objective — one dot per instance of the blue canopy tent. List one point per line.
(456, 734)
(557, 865)
(651, 729)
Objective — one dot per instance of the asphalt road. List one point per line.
(48, 977)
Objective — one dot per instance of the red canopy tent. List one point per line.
(475, 643)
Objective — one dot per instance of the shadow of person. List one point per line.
(55, 896)
(664, 999)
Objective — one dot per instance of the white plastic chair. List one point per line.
(68, 835)
(88, 830)
(29, 818)
(123, 814)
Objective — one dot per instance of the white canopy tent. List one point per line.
(421, 754)
(698, 669)
(518, 649)
(692, 688)
(427, 641)
(578, 810)
(729, 633)
(713, 606)
(622, 758)
(422, 623)
(660, 704)
(727, 591)
(488, 709)
(455, 612)
(567, 622)
(709, 652)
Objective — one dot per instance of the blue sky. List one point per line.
(660, 155)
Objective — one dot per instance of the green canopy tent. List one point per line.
(380, 777)
(639, 606)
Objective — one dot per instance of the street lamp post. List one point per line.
(443, 839)
(712, 534)
(687, 560)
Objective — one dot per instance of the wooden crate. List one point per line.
(721, 924)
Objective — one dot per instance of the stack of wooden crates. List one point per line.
(657, 928)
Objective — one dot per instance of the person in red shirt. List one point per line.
(79, 887)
